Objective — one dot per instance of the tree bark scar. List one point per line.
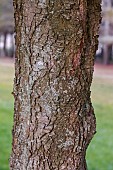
(76, 58)
(81, 7)
(83, 13)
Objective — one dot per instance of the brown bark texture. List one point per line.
(54, 120)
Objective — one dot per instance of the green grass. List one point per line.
(100, 151)
(6, 114)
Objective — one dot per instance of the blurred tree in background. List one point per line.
(7, 46)
(6, 15)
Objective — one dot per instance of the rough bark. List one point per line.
(54, 119)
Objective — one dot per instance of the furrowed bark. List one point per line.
(54, 120)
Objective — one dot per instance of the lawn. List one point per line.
(6, 114)
(100, 151)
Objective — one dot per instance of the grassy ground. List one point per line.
(6, 112)
(100, 151)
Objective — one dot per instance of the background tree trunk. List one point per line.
(54, 119)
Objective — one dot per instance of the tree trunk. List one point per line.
(5, 38)
(54, 119)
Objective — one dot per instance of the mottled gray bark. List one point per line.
(54, 119)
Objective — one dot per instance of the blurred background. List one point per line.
(7, 48)
(100, 151)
